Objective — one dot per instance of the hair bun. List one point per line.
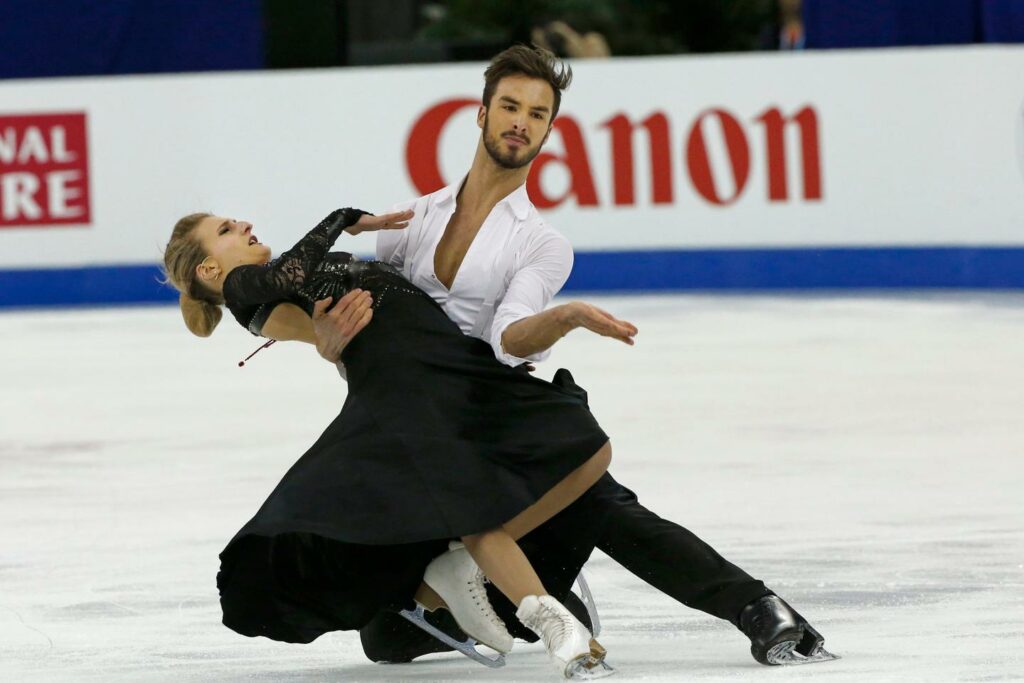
(201, 317)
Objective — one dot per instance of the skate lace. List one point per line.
(478, 590)
(555, 625)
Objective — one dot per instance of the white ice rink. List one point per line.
(864, 456)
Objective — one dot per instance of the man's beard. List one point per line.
(509, 160)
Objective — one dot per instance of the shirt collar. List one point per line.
(447, 194)
(518, 200)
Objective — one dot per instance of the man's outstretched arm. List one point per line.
(539, 332)
(522, 330)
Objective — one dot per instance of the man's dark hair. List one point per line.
(533, 62)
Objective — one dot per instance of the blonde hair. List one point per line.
(200, 306)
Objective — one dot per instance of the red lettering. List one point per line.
(423, 163)
(775, 146)
(44, 170)
(699, 164)
(421, 153)
(622, 158)
(576, 161)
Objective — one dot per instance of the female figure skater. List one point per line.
(437, 440)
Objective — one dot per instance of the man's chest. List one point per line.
(457, 237)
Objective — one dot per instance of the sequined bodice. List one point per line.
(336, 277)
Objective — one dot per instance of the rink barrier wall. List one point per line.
(759, 172)
(760, 151)
(978, 268)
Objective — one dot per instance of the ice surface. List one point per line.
(863, 456)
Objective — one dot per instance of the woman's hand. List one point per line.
(387, 221)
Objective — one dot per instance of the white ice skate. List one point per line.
(457, 584)
(572, 648)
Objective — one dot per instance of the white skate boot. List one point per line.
(571, 647)
(457, 584)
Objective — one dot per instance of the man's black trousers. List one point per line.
(609, 517)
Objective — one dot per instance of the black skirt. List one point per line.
(436, 440)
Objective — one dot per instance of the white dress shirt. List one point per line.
(516, 258)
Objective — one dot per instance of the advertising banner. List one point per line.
(45, 170)
(877, 169)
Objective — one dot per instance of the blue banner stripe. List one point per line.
(788, 269)
(616, 271)
(92, 285)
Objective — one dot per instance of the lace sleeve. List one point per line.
(282, 277)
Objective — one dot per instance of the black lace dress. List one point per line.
(436, 440)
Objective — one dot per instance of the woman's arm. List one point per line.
(283, 276)
(288, 322)
(333, 329)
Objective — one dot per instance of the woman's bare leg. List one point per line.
(561, 495)
(505, 564)
(496, 551)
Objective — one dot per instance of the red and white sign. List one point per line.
(761, 151)
(422, 155)
(44, 170)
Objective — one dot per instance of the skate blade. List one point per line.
(591, 666)
(434, 602)
(466, 647)
(587, 668)
(785, 654)
(588, 601)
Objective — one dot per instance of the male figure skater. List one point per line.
(480, 249)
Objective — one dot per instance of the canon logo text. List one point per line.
(422, 155)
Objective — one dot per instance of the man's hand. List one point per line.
(582, 314)
(387, 221)
(335, 328)
(540, 331)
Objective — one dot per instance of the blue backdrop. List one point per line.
(882, 23)
(80, 37)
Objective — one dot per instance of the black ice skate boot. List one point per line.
(779, 635)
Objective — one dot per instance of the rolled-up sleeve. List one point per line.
(541, 270)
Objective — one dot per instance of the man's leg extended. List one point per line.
(676, 562)
(660, 552)
(667, 556)
(671, 558)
